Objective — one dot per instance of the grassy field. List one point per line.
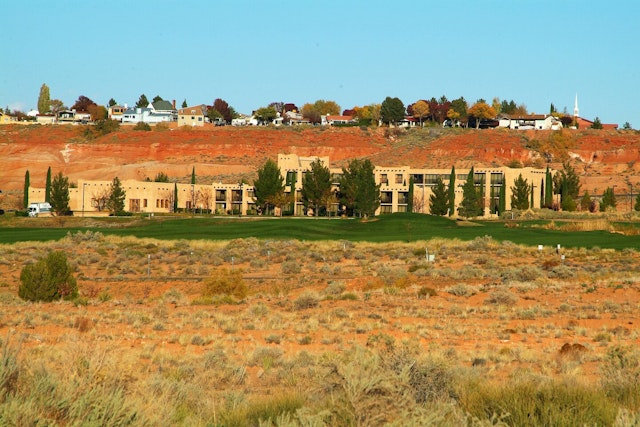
(388, 228)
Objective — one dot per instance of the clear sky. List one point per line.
(252, 53)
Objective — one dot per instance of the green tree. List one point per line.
(358, 188)
(56, 106)
(112, 102)
(548, 189)
(452, 191)
(636, 207)
(566, 182)
(48, 279)
(60, 194)
(597, 124)
(626, 126)
(586, 202)
(410, 195)
(184, 103)
(175, 197)
(47, 187)
(439, 198)
(161, 177)
(460, 106)
(193, 176)
(269, 186)
(44, 100)
(27, 184)
(469, 207)
(117, 195)
(316, 186)
(392, 110)
(608, 200)
(502, 205)
(265, 115)
(143, 102)
(520, 193)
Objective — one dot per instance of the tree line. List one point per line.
(391, 110)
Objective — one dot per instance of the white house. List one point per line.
(530, 121)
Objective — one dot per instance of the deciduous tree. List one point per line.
(56, 106)
(83, 104)
(222, 107)
(314, 112)
(266, 115)
(420, 110)
(481, 111)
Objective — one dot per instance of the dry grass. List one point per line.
(354, 338)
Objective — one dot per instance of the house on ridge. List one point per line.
(530, 121)
(192, 116)
(329, 120)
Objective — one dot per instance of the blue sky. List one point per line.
(252, 53)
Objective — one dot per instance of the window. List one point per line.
(144, 203)
(399, 178)
(403, 197)
(386, 196)
(221, 195)
(385, 209)
(418, 178)
(496, 179)
(383, 178)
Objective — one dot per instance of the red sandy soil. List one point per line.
(228, 154)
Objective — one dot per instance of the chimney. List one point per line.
(174, 104)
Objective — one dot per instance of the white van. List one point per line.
(35, 209)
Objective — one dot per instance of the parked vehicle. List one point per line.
(35, 209)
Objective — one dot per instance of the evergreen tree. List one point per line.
(44, 100)
(410, 195)
(548, 189)
(566, 182)
(597, 124)
(193, 176)
(586, 203)
(358, 188)
(470, 197)
(452, 191)
(175, 197)
(111, 102)
(316, 186)
(47, 187)
(636, 207)
(520, 193)
(269, 186)
(439, 199)
(503, 196)
(27, 184)
(184, 103)
(117, 196)
(143, 102)
(60, 194)
(48, 279)
(608, 200)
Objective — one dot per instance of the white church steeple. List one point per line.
(576, 112)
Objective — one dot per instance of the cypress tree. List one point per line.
(193, 175)
(47, 187)
(531, 201)
(470, 203)
(410, 196)
(175, 197)
(44, 100)
(27, 184)
(548, 189)
(503, 195)
(452, 191)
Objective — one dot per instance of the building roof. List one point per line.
(196, 109)
(339, 118)
(163, 106)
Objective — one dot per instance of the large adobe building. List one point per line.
(89, 197)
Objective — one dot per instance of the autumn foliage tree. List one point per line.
(420, 110)
(314, 112)
(83, 104)
(481, 111)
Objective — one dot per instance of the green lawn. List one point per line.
(386, 228)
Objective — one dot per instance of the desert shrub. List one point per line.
(306, 300)
(561, 272)
(502, 297)
(142, 126)
(426, 291)
(461, 290)
(335, 288)
(226, 283)
(48, 279)
(291, 267)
